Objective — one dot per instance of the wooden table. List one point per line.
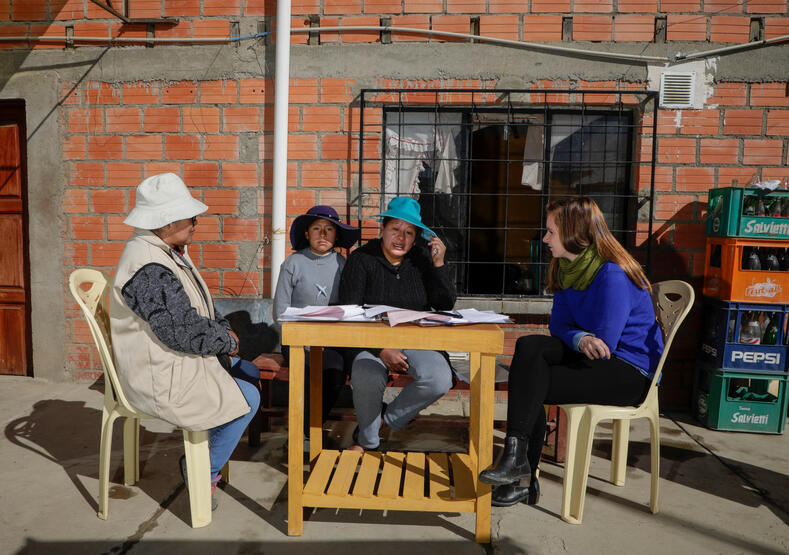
(348, 479)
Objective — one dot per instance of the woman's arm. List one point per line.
(284, 292)
(157, 296)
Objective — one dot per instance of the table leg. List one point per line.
(316, 402)
(296, 441)
(481, 440)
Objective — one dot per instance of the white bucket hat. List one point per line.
(163, 199)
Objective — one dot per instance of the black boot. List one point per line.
(510, 494)
(512, 465)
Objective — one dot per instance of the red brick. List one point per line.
(689, 236)
(47, 30)
(200, 120)
(162, 120)
(776, 27)
(341, 7)
(221, 201)
(85, 120)
(106, 254)
(694, 179)
(220, 256)
(181, 30)
(75, 201)
(766, 6)
(154, 168)
(181, 147)
(144, 147)
(123, 120)
(201, 174)
(117, 230)
(76, 253)
(321, 118)
(221, 7)
(742, 122)
(766, 152)
(383, 6)
(451, 24)
(499, 26)
(108, 201)
(221, 147)
(102, 93)
(266, 146)
(336, 90)
(723, 6)
(183, 92)
(778, 122)
(86, 174)
(510, 6)
(64, 10)
(592, 6)
(412, 22)
(13, 31)
(240, 119)
(29, 10)
(219, 92)
(634, 28)
(423, 6)
(145, 8)
(729, 29)
(140, 93)
(734, 176)
(124, 174)
(685, 27)
(302, 147)
(181, 8)
(87, 227)
(728, 94)
(360, 36)
(254, 91)
(676, 151)
(129, 31)
(542, 28)
(239, 174)
(320, 174)
(337, 147)
(90, 29)
(700, 122)
(207, 230)
(680, 6)
(719, 151)
(240, 229)
(211, 28)
(637, 6)
(594, 28)
(668, 206)
(559, 6)
(302, 7)
(105, 147)
(770, 94)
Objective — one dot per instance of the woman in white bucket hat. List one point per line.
(171, 347)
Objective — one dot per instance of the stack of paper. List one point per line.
(355, 313)
(346, 313)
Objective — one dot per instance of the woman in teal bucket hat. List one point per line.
(397, 270)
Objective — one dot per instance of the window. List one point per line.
(484, 169)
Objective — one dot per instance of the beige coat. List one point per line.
(190, 391)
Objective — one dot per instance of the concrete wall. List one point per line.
(100, 119)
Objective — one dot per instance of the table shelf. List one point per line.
(391, 480)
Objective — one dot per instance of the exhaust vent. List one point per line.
(676, 89)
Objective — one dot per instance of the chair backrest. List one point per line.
(673, 300)
(89, 288)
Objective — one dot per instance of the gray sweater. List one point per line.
(307, 279)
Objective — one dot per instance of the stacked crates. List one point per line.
(742, 379)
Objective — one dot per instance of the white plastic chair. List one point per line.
(92, 301)
(583, 419)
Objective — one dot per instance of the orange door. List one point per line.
(14, 299)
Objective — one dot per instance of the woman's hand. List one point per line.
(594, 347)
(394, 360)
(238, 343)
(437, 251)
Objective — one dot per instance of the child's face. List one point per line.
(321, 235)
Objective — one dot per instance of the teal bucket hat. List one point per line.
(408, 210)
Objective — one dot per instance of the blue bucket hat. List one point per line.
(347, 235)
(408, 210)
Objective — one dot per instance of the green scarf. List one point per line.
(579, 273)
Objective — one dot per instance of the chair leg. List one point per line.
(619, 451)
(131, 451)
(654, 436)
(574, 417)
(108, 417)
(581, 467)
(198, 469)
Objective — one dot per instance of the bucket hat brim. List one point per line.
(347, 234)
(163, 199)
(408, 210)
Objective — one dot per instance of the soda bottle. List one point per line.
(750, 259)
(773, 206)
(785, 206)
(760, 206)
(749, 206)
(770, 261)
(750, 332)
(770, 336)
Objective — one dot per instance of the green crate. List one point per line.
(740, 401)
(725, 216)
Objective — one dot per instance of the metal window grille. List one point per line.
(484, 163)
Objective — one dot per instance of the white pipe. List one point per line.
(281, 85)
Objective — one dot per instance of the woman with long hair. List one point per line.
(604, 346)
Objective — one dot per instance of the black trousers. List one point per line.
(546, 371)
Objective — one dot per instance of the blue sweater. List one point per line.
(614, 309)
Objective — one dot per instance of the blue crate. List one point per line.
(720, 337)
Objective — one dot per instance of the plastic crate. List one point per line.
(725, 216)
(722, 342)
(740, 401)
(725, 279)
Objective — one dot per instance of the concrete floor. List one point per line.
(720, 492)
